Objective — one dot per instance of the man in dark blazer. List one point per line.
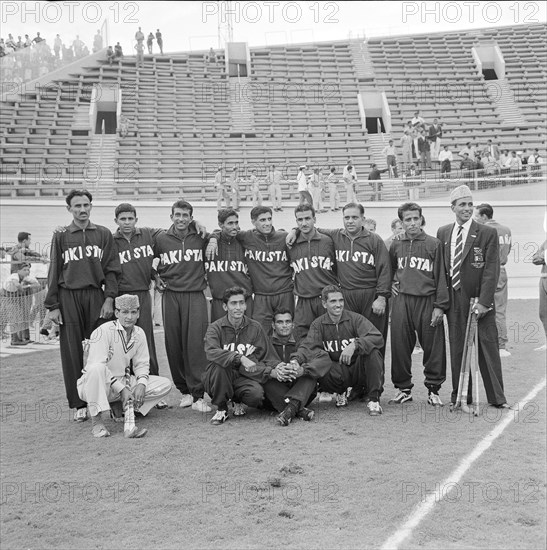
(472, 267)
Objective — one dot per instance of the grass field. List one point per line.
(346, 480)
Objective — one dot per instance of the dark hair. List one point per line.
(225, 213)
(125, 207)
(282, 311)
(357, 205)
(233, 291)
(406, 207)
(22, 236)
(394, 223)
(258, 210)
(485, 210)
(183, 205)
(333, 169)
(305, 207)
(78, 193)
(329, 289)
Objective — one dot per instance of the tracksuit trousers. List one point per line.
(366, 371)
(227, 384)
(185, 324)
(80, 310)
(305, 312)
(411, 315)
(302, 389)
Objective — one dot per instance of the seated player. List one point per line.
(353, 345)
(292, 385)
(114, 347)
(240, 357)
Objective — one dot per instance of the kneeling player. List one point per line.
(241, 358)
(353, 345)
(113, 348)
(293, 382)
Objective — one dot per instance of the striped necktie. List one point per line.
(456, 282)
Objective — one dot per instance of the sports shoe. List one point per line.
(325, 397)
(201, 406)
(374, 408)
(186, 401)
(219, 418)
(135, 433)
(284, 418)
(162, 405)
(341, 400)
(239, 409)
(80, 415)
(306, 414)
(353, 394)
(435, 400)
(402, 397)
(504, 353)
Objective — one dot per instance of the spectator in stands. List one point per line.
(370, 224)
(406, 147)
(22, 253)
(414, 135)
(424, 147)
(68, 54)
(523, 155)
(303, 189)
(334, 193)
(254, 185)
(57, 44)
(417, 121)
(28, 41)
(10, 42)
(513, 162)
(118, 50)
(350, 180)
(353, 170)
(234, 188)
(139, 46)
(78, 46)
(2, 48)
(159, 40)
(139, 36)
(478, 165)
(374, 176)
(18, 287)
(150, 42)
(19, 45)
(124, 121)
(274, 188)
(396, 229)
(445, 158)
(110, 55)
(315, 190)
(38, 38)
(435, 135)
(391, 158)
(535, 160)
(220, 187)
(493, 149)
(467, 166)
(212, 57)
(491, 167)
(469, 149)
(97, 42)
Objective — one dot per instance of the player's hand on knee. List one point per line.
(248, 365)
(138, 395)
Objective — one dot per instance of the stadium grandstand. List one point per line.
(161, 129)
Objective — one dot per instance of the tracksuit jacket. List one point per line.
(82, 259)
(136, 257)
(181, 264)
(284, 350)
(362, 262)
(229, 268)
(313, 264)
(268, 261)
(327, 336)
(224, 345)
(418, 266)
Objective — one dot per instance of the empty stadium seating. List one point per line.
(302, 103)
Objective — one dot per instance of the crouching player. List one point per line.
(240, 357)
(114, 347)
(293, 382)
(353, 345)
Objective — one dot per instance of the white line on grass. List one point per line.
(421, 511)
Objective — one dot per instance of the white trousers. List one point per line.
(94, 388)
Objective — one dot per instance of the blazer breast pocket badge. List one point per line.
(478, 258)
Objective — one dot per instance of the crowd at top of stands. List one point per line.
(25, 58)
